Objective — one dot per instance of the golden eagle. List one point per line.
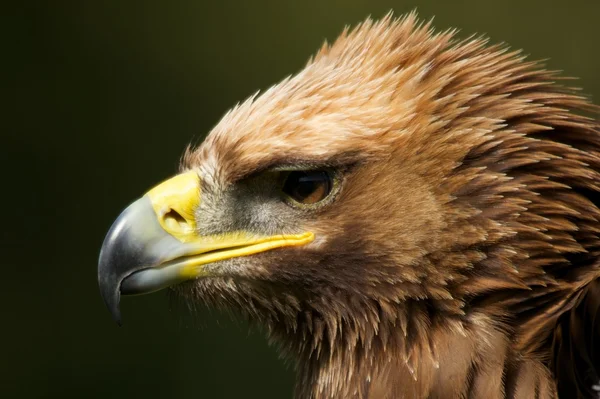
(410, 216)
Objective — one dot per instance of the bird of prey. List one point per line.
(410, 216)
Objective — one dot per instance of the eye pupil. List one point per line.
(307, 187)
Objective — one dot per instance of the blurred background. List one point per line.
(100, 100)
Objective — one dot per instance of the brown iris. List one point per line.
(308, 187)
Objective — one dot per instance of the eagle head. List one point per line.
(410, 215)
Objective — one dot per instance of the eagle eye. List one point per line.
(307, 187)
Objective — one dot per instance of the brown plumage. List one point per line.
(459, 257)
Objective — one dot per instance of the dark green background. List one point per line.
(101, 97)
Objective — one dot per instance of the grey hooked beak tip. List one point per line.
(135, 242)
(115, 256)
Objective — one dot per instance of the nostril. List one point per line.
(174, 221)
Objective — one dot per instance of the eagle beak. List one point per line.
(154, 243)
